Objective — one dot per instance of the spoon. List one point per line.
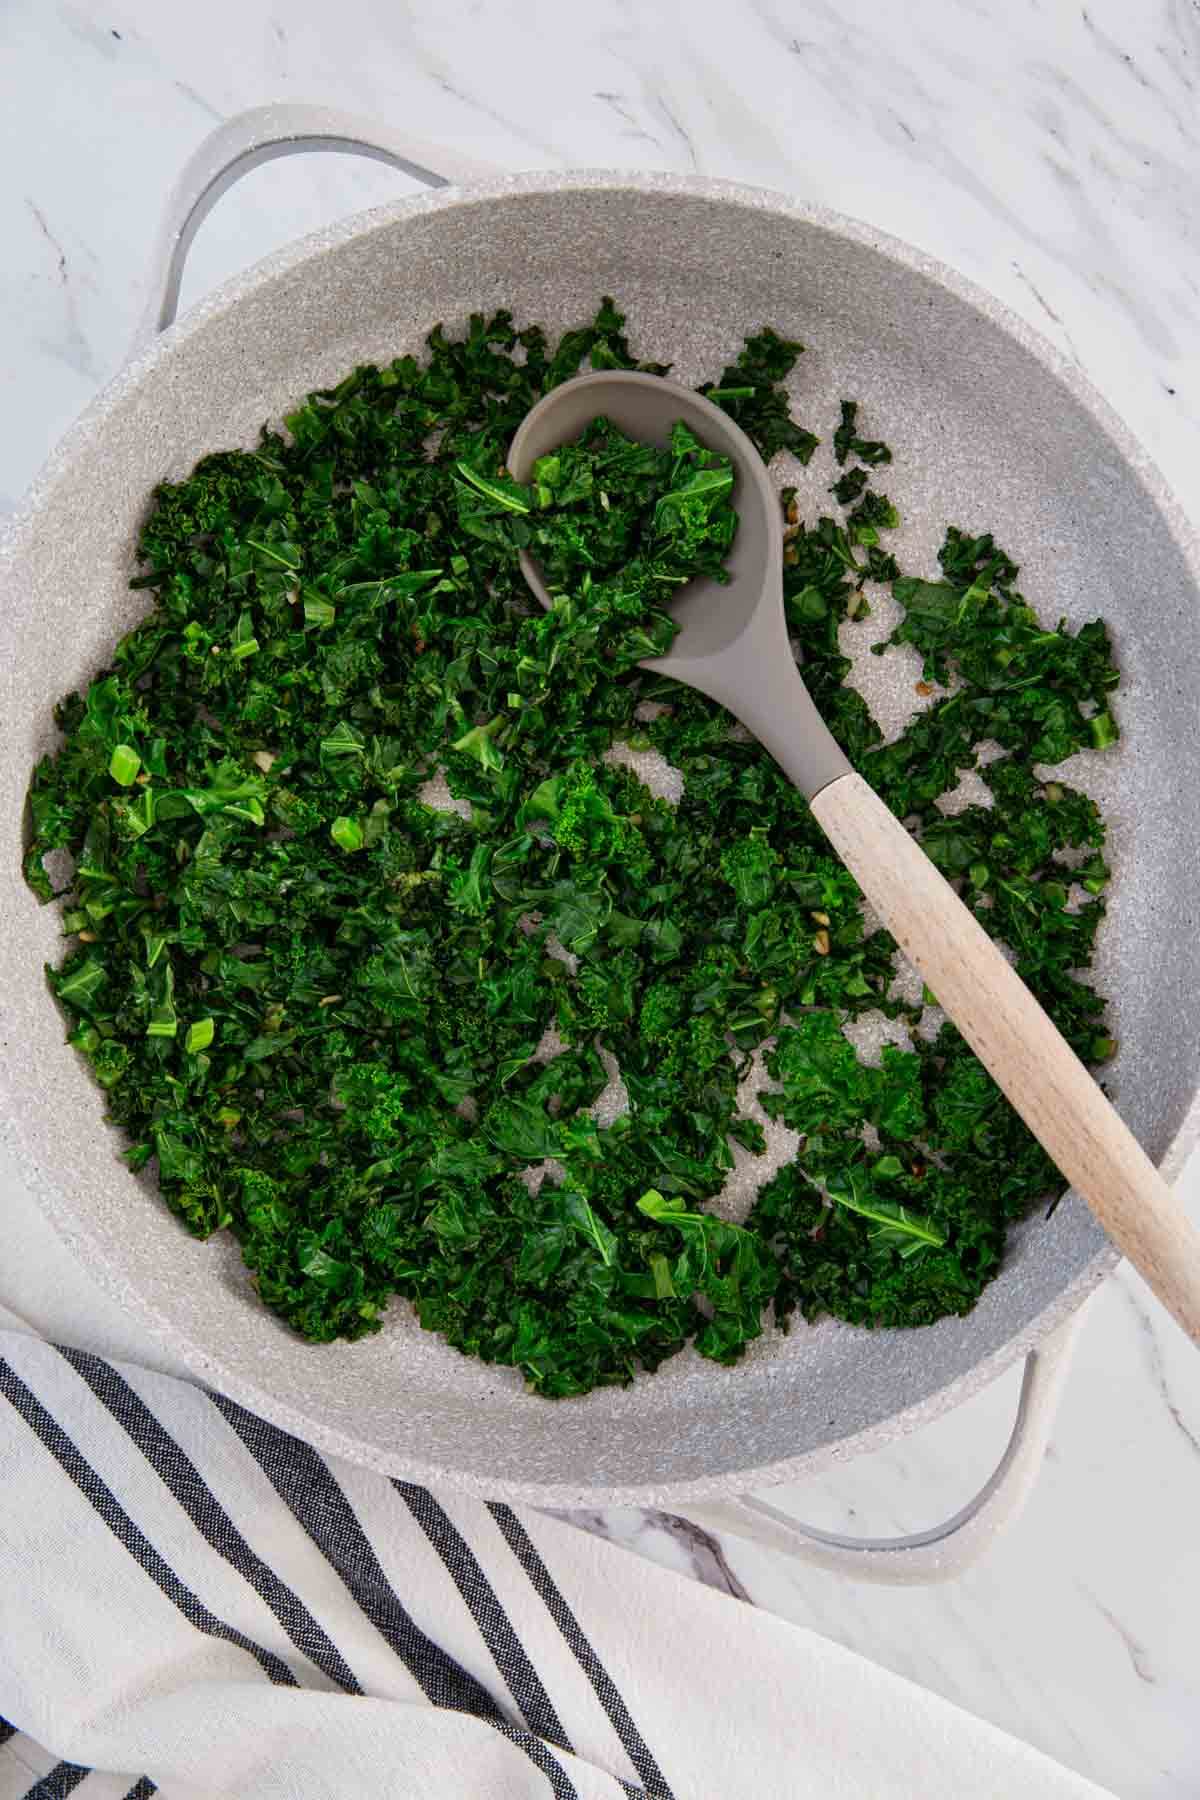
(733, 645)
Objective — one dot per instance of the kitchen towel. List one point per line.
(195, 1604)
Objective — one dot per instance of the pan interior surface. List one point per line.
(986, 434)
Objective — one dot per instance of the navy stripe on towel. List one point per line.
(105, 1503)
(522, 1546)
(306, 1485)
(495, 1627)
(62, 1780)
(202, 1507)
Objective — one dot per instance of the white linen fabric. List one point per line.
(195, 1604)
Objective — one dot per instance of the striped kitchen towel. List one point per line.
(195, 1604)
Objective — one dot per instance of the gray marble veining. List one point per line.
(1050, 150)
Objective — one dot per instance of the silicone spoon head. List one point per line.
(732, 641)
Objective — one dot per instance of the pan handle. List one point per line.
(258, 136)
(943, 1551)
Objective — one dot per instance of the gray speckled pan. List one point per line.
(992, 430)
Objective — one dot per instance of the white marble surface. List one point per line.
(1050, 150)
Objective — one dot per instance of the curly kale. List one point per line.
(361, 917)
(846, 441)
(751, 391)
(619, 524)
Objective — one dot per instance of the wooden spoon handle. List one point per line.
(1016, 1042)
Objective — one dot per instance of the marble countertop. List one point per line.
(1049, 150)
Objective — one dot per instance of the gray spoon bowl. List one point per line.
(733, 645)
(732, 642)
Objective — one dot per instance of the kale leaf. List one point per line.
(846, 441)
(751, 391)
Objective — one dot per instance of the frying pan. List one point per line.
(992, 430)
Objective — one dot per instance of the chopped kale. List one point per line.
(369, 1034)
(873, 514)
(850, 487)
(751, 391)
(617, 523)
(846, 441)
